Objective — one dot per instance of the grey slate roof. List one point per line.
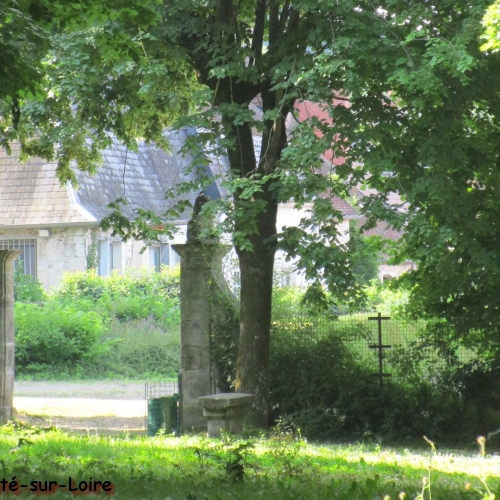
(31, 195)
(141, 177)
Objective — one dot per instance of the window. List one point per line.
(27, 259)
(155, 258)
(110, 257)
(285, 279)
(163, 255)
(175, 258)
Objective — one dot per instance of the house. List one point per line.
(56, 227)
(307, 109)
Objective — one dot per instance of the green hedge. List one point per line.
(56, 334)
(322, 375)
(321, 385)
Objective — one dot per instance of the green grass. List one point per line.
(198, 468)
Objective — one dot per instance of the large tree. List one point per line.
(440, 144)
(421, 119)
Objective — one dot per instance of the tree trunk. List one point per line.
(256, 273)
(256, 269)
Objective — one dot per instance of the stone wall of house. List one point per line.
(387, 272)
(61, 250)
(57, 250)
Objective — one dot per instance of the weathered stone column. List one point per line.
(200, 265)
(7, 258)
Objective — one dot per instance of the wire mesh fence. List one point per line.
(395, 348)
(162, 406)
(160, 388)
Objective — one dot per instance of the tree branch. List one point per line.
(273, 23)
(285, 12)
(258, 31)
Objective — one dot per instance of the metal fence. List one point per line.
(398, 349)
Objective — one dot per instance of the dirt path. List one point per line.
(100, 407)
(91, 390)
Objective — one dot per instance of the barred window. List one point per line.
(27, 259)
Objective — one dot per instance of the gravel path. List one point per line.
(85, 390)
(103, 407)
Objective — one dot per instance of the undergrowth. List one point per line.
(92, 327)
(323, 374)
(282, 466)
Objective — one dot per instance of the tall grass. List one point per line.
(279, 468)
(92, 327)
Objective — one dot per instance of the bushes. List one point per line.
(321, 371)
(125, 325)
(27, 288)
(323, 379)
(306, 373)
(134, 295)
(321, 384)
(130, 283)
(142, 348)
(56, 335)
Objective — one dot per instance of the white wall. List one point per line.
(386, 271)
(60, 250)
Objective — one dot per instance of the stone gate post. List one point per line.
(7, 258)
(200, 281)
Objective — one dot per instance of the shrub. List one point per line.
(322, 381)
(137, 313)
(56, 335)
(385, 298)
(78, 285)
(141, 349)
(27, 288)
(129, 283)
(135, 294)
(310, 371)
(321, 384)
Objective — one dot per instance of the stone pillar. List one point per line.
(7, 258)
(200, 265)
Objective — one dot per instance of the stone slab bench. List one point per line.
(225, 412)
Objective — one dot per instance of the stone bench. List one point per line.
(225, 412)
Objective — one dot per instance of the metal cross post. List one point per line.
(380, 346)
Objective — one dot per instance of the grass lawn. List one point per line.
(196, 468)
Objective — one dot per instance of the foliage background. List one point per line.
(323, 374)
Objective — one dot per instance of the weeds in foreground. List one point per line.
(281, 467)
(229, 454)
(426, 492)
(285, 446)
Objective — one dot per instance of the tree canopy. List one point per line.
(440, 145)
(421, 120)
(23, 43)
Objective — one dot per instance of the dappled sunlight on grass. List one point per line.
(280, 468)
